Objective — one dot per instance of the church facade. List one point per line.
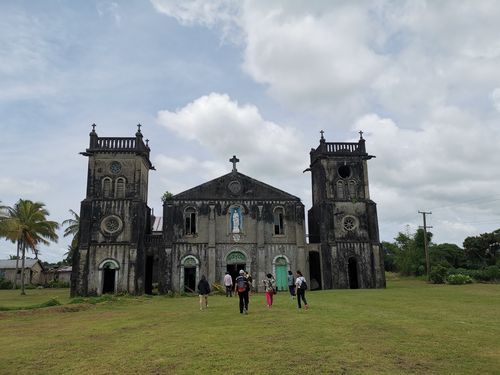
(230, 223)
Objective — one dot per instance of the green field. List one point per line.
(410, 327)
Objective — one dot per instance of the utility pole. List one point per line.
(426, 246)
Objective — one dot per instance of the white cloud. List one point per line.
(495, 97)
(11, 186)
(225, 128)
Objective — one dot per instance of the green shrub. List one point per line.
(492, 273)
(459, 279)
(5, 284)
(438, 274)
(50, 302)
(57, 284)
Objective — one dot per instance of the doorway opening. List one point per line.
(314, 270)
(352, 269)
(148, 279)
(234, 270)
(109, 274)
(190, 279)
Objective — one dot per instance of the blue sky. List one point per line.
(210, 79)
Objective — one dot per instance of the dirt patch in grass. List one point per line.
(47, 310)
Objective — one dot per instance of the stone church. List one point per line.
(230, 223)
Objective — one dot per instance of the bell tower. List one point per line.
(343, 218)
(114, 217)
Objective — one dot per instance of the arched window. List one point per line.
(279, 220)
(106, 187)
(340, 190)
(120, 188)
(189, 221)
(353, 189)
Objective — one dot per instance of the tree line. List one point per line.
(479, 258)
(27, 225)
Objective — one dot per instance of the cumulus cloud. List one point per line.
(225, 128)
(345, 58)
(437, 167)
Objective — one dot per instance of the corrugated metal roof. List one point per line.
(65, 269)
(11, 263)
(158, 224)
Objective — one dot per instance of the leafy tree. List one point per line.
(73, 229)
(447, 255)
(411, 259)
(166, 196)
(26, 223)
(482, 250)
(391, 252)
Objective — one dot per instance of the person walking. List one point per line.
(203, 291)
(270, 289)
(301, 287)
(228, 283)
(291, 284)
(242, 287)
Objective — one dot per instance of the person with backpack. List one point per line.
(203, 291)
(270, 289)
(241, 288)
(301, 286)
(291, 284)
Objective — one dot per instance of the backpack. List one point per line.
(303, 284)
(241, 282)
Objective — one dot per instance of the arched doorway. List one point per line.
(109, 276)
(236, 261)
(280, 265)
(314, 270)
(190, 268)
(352, 269)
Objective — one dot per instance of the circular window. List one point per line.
(234, 187)
(115, 167)
(111, 224)
(344, 171)
(350, 223)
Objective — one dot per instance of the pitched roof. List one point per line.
(11, 263)
(235, 185)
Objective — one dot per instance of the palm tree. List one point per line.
(73, 229)
(26, 223)
(10, 230)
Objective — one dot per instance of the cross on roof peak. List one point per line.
(322, 132)
(234, 160)
(360, 134)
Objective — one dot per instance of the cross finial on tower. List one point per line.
(322, 132)
(139, 128)
(360, 134)
(147, 142)
(234, 160)
(93, 127)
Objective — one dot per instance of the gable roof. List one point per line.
(11, 263)
(235, 186)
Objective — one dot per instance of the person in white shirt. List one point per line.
(301, 286)
(228, 283)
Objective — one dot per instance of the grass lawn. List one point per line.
(410, 327)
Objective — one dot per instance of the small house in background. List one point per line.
(33, 271)
(58, 274)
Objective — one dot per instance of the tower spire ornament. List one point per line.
(322, 132)
(234, 160)
(361, 134)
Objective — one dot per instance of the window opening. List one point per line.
(278, 221)
(190, 221)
